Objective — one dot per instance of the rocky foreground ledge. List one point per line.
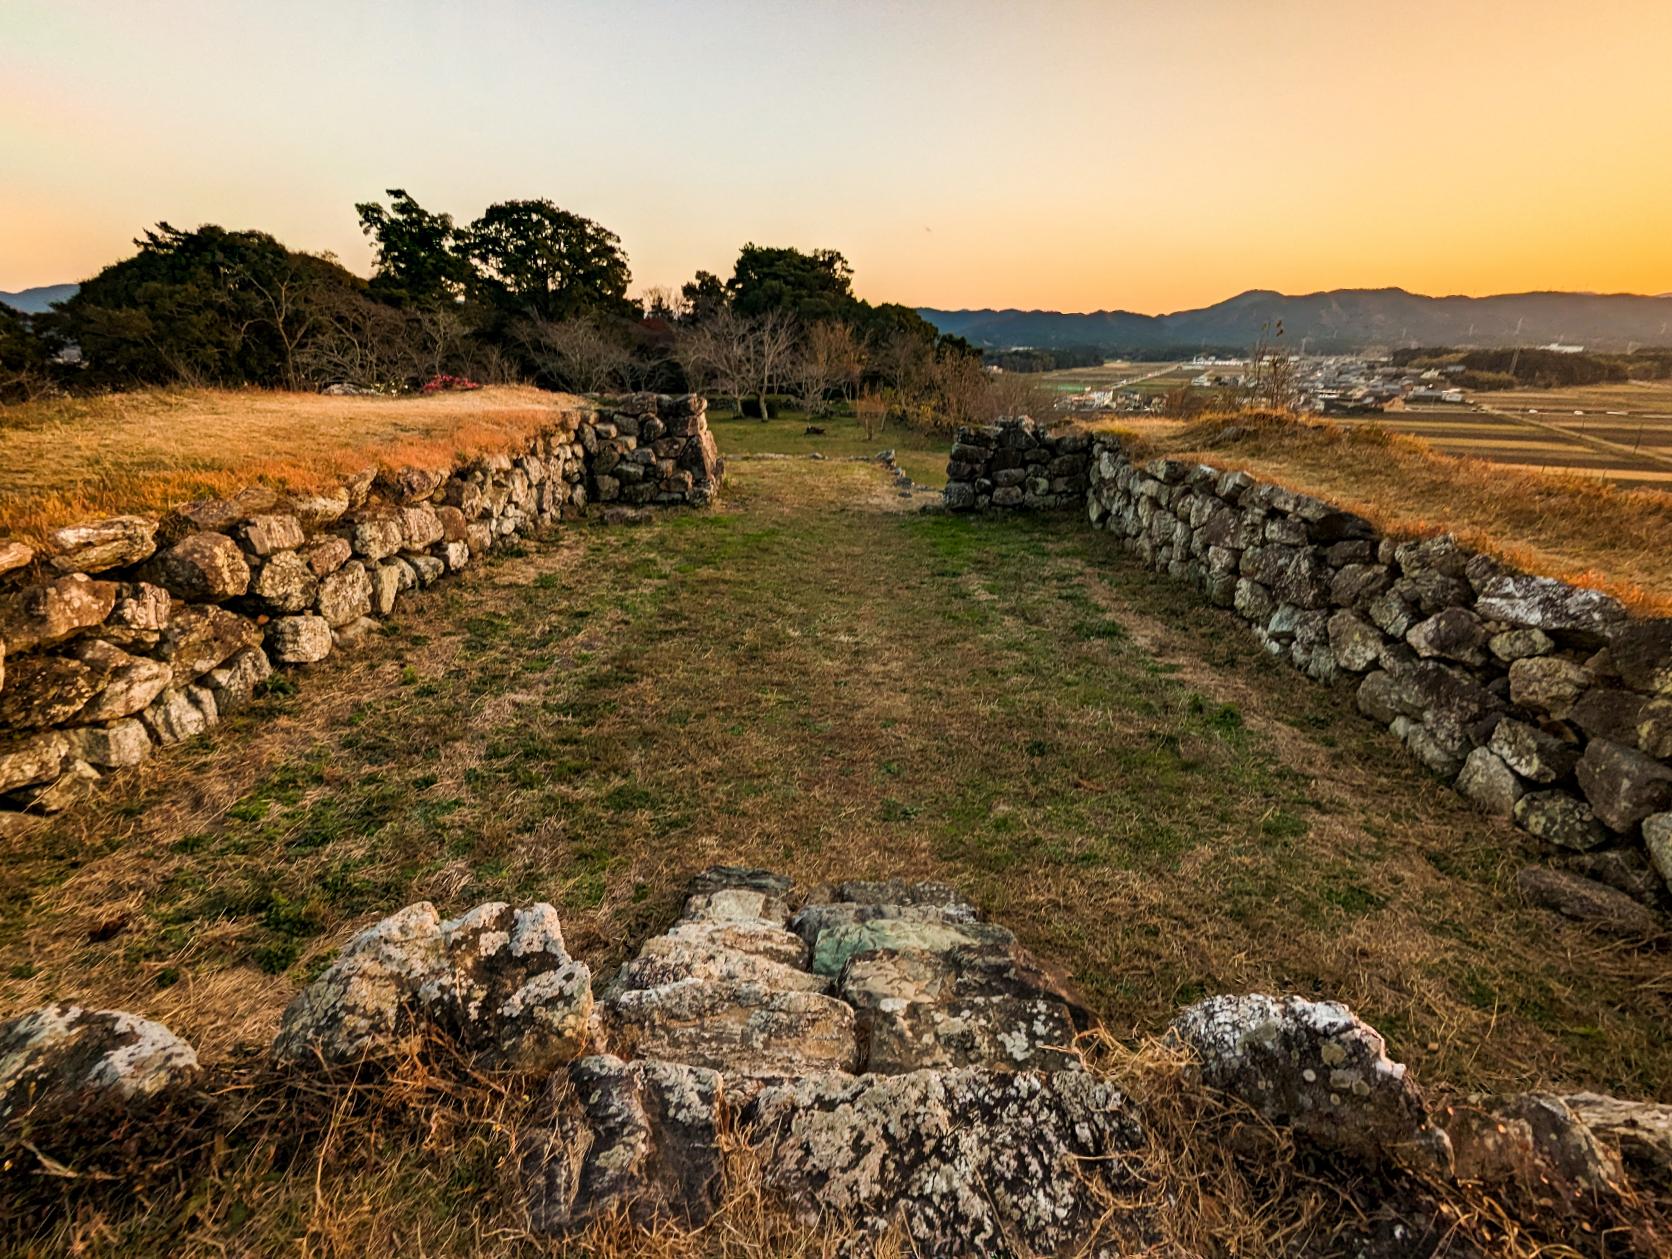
(879, 1060)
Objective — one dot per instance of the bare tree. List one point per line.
(1273, 379)
(715, 355)
(769, 345)
(290, 306)
(577, 353)
(870, 408)
(827, 359)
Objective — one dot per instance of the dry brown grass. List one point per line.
(69, 459)
(1569, 526)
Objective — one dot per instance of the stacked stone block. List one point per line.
(1545, 703)
(126, 634)
(1017, 464)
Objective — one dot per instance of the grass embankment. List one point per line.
(1570, 526)
(813, 680)
(69, 459)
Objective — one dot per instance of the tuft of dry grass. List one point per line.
(68, 459)
(1567, 525)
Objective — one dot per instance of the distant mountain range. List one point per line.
(35, 301)
(1339, 321)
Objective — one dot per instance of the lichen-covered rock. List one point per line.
(1547, 684)
(1640, 1132)
(1512, 645)
(1642, 652)
(964, 1162)
(44, 616)
(1490, 783)
(641, 1139)
(101, 544)
(325, 556)
(1453, 633)
(1587, 901)
(64, 1054)
(13, 556)
(286, 582)
(1538, 1144)
(200, 637)
(376, 537)
(125, 683)
(742, 1029)
(202, 568)
(346, 595)
(234, 683)
(1657, 838)
(1622, 785)
(114, 746)
(1356, 643)
(1569, 614)
(45, 691)
(266, 534)
(420, 527)
(1533, 753)
(142, 611)
(33, 759)
(497, 980)
(180, 714)
(1558, 818)
(1316, 1068)
(299, 639)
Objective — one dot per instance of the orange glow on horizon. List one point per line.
(1073, 155)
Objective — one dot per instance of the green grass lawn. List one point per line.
(814, 678)
(922, 455)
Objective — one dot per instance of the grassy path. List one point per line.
(814, 679)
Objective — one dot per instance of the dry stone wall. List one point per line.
(1545, 703)
(123, 635)
(1017, 464)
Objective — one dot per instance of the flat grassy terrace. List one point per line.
(69, 459)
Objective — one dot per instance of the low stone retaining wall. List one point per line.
(1017, 464)
(125, 634)
(1545, 703)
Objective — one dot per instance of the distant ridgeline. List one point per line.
(1338, 321)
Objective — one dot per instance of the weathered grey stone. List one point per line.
(13, 556)
(200, 637)
(1547, 684)
(125, 683)
(1490, 783)
(320, 507)
(1627, 870)
(326, 555)
(498, 981)
(1440, 744)
(1535, 1143)
(428, 568)
(1253, 601)
(180, 714)
(1607, 712)
(1518, 644)
(355, 631)
(1640, 1132)
(201, 568)
(45, 691)
(410, 484)
(1558, 818)
(234, 683)
(1454, 634)
(386, 586)
(73, 785)
(267, 534)
(1569, 614)
(286, 583)
(959, 496)
(215, 515)
(1314, 1067)
(1356, 643)
(116, 746)
(102, 544)
(1355, 585)
(739, 1028)
(1642, 652)
(376, 537)
(141, 612)
(346, 595)
(299, 639)
(1654, 729)
(31, 759)
(1585, 900)
(67, 1055)
(1391, 614)
(1657, 838)
(1533, 753)
(1438, 554)
(1622, 785)
(46, 615)
(420, 527)
(633, 1139)
(962, 1162)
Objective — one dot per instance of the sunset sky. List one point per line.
(1055, 153)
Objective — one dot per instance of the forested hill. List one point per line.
(38, 300)
(1341, 320)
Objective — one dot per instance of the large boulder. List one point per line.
(741, 1028)
(1570, 614)
(101, 544)
(1623, 785)
(202, 568)
(1313, 1066)
(66, 1055)
(44, 616)
(960, 1162)
(497, 980)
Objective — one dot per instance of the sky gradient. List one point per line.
(1058, 154)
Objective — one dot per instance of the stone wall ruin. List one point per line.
(123, 635)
